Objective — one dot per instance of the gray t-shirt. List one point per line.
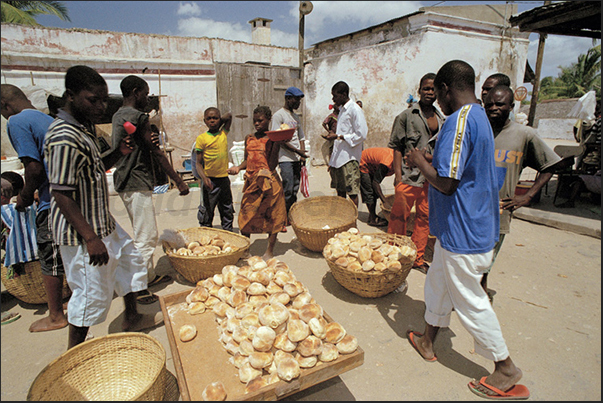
(518, 146)
(133, 172)
(292, 119)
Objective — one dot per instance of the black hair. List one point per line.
(456, 74)
(503, 88)
(428, 76)
(211, 108)
(341, 87)
(501, 79)
(15, 180)
(130, 83)
(80, 78)
(264, 110)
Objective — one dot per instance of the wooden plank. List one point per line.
(204, 359)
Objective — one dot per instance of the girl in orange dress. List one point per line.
(263, 203)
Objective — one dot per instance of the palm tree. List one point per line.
(25, 12)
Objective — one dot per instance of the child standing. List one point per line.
(211, 150)
(263, 203)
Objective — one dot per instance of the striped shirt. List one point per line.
(74, 161)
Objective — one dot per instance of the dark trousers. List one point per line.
(220, 196)
(291, 177)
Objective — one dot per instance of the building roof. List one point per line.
(571, 18)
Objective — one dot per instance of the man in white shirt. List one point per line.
(344, 165)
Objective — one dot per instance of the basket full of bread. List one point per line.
(199, 253)
(284, 133)
(268, 322)
(370, 265)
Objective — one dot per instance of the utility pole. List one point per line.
(536, 86)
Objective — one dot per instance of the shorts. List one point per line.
(346, 179)
(92, 287)
(366, 188)
(48, 252)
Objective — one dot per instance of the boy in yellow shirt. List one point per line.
(211, 148)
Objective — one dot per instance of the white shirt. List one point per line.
(351, 124)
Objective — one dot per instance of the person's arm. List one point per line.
(416, 158)
(35, 175)
(201, 171)
(226, 122)
(72, 213)
(163, 161)
(243, 164)
(125, 147)
(397, 167)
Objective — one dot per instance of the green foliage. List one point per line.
(577, 79)
(25, 12)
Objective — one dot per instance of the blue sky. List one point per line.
(328, 19)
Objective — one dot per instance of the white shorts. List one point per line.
(454, 280)
(92, 287)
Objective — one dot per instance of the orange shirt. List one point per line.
(372, 157)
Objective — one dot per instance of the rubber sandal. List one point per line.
(515, 392)
(422, 268)
(411, 339)
(159, 280)
(146, 298)
(10, 317)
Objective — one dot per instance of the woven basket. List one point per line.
(120, 366)
(375, 284)
(29, 287)
(308, 217)
(195, 268)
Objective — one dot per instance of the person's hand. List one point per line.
(155, 136)
(233, 170)
(183, 189)
(513, 203)
(414, 157)
(98, 252)
(126, 146)
(207, 183)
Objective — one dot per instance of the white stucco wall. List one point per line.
(382, 75)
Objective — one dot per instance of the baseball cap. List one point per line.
(294, 92)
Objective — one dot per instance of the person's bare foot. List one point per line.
(267, 256)
(46, 324)
(500, 380)
(140, 322)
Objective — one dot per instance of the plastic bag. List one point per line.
(304, 185)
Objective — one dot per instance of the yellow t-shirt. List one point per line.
(214, 147)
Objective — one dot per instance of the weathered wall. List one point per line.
(383, 74)
(180, 69)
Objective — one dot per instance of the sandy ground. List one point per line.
(548, 301)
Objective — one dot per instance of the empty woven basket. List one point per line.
(316, 219)
(195, 268)
(374, 284)
(120, 366)
(29, 287)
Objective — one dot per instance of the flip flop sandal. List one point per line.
(146, 298)
(515, 392)
(159, 280)
(382, 222)
(10, 317)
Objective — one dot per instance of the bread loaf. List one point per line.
(215, 391)
(187, 332)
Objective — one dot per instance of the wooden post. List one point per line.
(536, 85)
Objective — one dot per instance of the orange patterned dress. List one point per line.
(263, 208)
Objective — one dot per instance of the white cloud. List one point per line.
(559, 50)
(189, 9)
(200, 27)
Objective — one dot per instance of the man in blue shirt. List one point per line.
(26, 129)
(465, 221)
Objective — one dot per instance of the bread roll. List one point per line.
(311, 345)
(232, 347)
(301, 300)
(368, 265)
(310, 311)
(273, 315)
(220, 308)
(342, 261)
(240, 283)
(273, 288)
(215, 391)
(335, 332)
(306, 362)
(256, 289)
(256, 383)
(260, 360)
(364, 254)
(293, 289)
(288, 369)
(281, 297)
(237, 297)
(211, 301)
(187, 332)
(224, 293)
(238, 359)
(329, 352)
(247, 372)
(297, 330)
(318, 327)
(243, 310)
(347, 345)
(394, 265)
(240, 333)
(282, 342)
(251, 319)
(263, 338)
(195, 308)
(199, 294)
(261, 276)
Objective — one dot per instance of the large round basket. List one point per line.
(316, 219)
(375, 284)
(120, 366)
(195, 268)
(29, 287)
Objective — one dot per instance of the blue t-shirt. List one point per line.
(26, 132)
(467, 221)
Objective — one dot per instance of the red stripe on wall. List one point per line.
(185, 72)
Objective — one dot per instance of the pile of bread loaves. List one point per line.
(206, 246)
(356, 252)
(268, 321)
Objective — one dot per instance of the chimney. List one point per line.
(260, 31)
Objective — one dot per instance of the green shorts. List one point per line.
(346, 179)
